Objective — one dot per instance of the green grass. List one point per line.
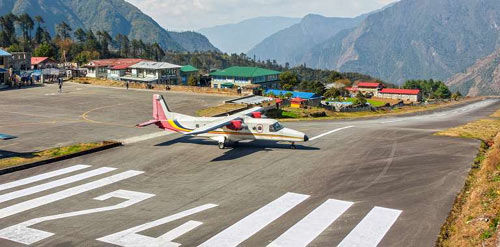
(374, 103)
(287, 114)
(25, 158)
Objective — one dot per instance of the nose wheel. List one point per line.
(293, 146)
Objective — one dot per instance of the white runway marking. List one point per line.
(40, 201)
(330, 132)
(372, 228)
(131, 238)
(248, 226)
(21, 232)
(394, 121)
(146, 137)
(60, 182)
(41, 177)
(311, 226)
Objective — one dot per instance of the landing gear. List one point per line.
(222, 145)
(293, 146)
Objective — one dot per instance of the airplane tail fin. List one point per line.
(161, 113)
(160, 109)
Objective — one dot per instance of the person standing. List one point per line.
(60, 81)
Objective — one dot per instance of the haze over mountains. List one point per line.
(241, 37)
(290, 44)
(114, 16)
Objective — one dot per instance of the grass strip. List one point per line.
(25, 158)
(475, 215)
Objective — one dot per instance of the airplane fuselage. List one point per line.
(251, 129)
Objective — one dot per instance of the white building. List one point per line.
(154, 72)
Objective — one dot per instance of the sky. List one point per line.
(192, 15)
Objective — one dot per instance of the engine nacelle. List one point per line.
(235, 125)
(257, 114)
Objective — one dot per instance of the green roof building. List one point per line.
(243, 76)
(186, 72)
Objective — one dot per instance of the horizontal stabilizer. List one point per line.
(150, 122)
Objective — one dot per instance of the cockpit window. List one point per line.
(275, 127)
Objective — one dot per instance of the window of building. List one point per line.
(216, 86)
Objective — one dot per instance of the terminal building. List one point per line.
(411, 95)
(244, 76)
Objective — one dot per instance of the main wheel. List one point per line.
(222, 145)
(293, 146)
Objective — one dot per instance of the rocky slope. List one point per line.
(483, 78)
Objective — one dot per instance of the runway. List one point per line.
(376, 182)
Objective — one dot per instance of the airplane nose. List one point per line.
(306, 138)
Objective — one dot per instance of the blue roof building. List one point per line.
(4, 53)
(302, 95)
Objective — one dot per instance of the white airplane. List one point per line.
(245, 125)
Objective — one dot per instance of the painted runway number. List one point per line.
(368, 232)
(131, 238)
(21, 232)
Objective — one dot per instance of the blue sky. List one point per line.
(196, 14)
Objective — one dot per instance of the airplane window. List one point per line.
(197, 126)
(275, 127)
(259, 128)
(254, 128)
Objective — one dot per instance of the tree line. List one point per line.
(70, 45)
(431, 89)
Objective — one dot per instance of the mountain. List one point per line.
(482, 78)
(289, 44)
(240, 37)
(414, 39)
(114, 16)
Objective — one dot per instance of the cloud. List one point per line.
(195, 14)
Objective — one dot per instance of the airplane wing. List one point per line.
(223, 121)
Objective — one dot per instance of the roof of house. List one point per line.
(38, 60)
(154, 65)
(188, 68)
(400, 91)
(302, 95)
(4, 53)
(246, 72)
(369, 84)
(115, 63)
(297, 99)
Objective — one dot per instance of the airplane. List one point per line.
(244, 125)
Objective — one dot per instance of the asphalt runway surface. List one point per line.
(385, 182)
(42, 118)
